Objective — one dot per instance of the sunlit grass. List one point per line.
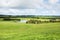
(21, 31)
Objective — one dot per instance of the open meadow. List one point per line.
(22, 31)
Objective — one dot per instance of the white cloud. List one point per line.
(38, 5)
(28, 12)
(53, 1)
(23, 12)
(27, 3)
(10, 3)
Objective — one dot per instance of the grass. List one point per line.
(22, 31)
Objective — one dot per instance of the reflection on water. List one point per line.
(23, 20)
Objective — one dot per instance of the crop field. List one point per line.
(22, 31)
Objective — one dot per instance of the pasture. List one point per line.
(22, 31)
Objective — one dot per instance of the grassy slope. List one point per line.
(22, 31)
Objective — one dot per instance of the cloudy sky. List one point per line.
(30, 7)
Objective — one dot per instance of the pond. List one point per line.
(23, 21)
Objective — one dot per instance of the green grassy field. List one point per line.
(22, 31)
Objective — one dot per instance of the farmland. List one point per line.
(22, 31)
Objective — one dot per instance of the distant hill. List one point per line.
(28, 16)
